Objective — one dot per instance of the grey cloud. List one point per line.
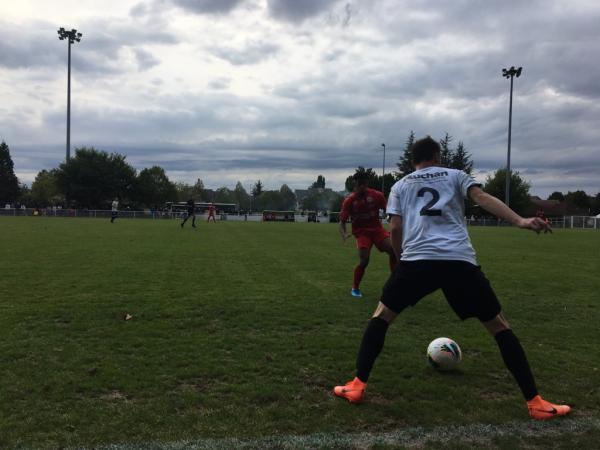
(207, 6)
(139, 10)
(39, 47)
(297, 11)
(97, 54)
(397, 73)
(219, 84)
(347, 108)
(145, 59)
(250, 53)
(564, 51)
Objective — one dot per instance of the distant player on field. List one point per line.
(211, 213)
(363, 207)
(114, 210)
(429, 235)
(191, 212)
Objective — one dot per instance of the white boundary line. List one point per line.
(414, 436)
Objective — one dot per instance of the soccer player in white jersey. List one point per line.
(114, 210)
(429, 236)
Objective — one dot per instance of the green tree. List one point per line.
(519, 189)
(578, 202)
(596, 204)
(446, 153)
(313, 201)
(257, 189)
(224, 195)
(184, 191)
(557, 196)
(153, 188)
(461, 159)
(9, 183)
(25, 195)
(271, 200)
(336, 202)
(288, 198)
(389, 180)
(241, 196)
(44, 189)
(320, 183)
(93, 177)
(198, 190)
(374, 180)
(405, 162)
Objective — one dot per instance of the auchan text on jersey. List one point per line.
(425, 176)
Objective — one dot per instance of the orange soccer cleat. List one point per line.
(540, 409)
(353, 391)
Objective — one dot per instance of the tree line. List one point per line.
(93, 178)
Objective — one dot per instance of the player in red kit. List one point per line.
(211, 213)
(363, 207)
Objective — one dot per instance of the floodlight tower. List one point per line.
(510, 73)
(383, 172)
(71, 36)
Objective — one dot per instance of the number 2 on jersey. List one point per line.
(427, 209)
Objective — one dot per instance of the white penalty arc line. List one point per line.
(414, 436)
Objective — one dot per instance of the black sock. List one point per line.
(516, 362)
(370, 347)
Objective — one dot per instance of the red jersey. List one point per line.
(363, 209)
(211, 210)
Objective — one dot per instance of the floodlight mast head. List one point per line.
(509, 73)
(72, 35)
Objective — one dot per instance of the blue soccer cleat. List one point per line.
(356, 292)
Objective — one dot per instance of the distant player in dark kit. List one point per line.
(114, 210)
(211, 213)
(363, 207)
(429, 236)
(191, 212)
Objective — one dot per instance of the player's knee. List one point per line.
(496, 325)
(384, 313)
(364, 262)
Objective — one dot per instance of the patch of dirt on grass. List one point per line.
(114, 395)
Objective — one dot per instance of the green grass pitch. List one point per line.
(240, 330)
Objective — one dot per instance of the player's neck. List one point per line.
(426, 164)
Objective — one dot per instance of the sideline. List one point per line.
(415, 436)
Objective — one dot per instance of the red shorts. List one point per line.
(371, 236)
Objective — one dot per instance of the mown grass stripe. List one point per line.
(415, 436)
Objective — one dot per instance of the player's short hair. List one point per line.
(360, 176)
(424, 150)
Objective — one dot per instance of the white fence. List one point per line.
(129, 214)
(578, 222)
(571, 222)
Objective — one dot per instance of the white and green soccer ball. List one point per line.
(443, 354)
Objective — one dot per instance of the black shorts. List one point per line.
(465, 287)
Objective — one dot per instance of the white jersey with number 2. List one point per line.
(431, 202)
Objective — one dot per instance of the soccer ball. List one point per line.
(443, 354)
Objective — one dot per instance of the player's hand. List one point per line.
(536, 224)
(345, 237)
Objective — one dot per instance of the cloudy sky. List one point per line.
(284, 90)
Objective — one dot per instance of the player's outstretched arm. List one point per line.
(499, 209)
